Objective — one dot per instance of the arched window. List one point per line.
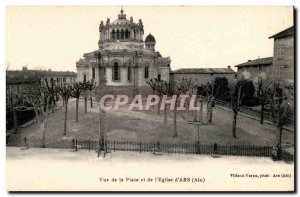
(146, 73)
(126, 34)
(134, 34)
(116, 72)
(113, 34)
(122, 34)
(118, 34)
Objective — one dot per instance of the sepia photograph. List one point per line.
(150, 98)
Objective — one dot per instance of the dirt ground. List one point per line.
(148, 126)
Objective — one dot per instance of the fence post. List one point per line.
(25, 141)
(140, 147)
(76, 144)
(154, 148)
(114, 146)
(215, 151)
(198, 147)
(89, 145)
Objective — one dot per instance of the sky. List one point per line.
(194, 37)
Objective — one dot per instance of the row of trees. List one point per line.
(42, 98)
(267, 94)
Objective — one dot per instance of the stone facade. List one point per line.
(26, 76)
(254, 70)
(283, 59)
(202, 76)
(124, 57)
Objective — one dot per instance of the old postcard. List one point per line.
(150, 98)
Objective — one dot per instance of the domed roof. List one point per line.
(121, 22)
(150, 38)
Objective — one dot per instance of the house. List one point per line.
(283, 58)
(202, 75)
(253, 70)
(25, 77)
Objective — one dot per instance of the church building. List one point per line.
(126, 60)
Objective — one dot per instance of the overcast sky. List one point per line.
(194, 37)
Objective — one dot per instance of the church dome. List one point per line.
(150, 38)
(121, 22)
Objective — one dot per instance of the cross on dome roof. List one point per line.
(122, 16)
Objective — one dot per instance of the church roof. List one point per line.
(203, 71)
(256, 62)
(33, 76)
(150, 38)
(121, 22)
(118, 46)
(287, 32)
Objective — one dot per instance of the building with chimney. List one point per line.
(256, 69)
(202, 76)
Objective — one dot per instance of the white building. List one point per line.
(126, 59)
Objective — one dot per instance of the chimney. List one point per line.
(228, 67)
(249, 60)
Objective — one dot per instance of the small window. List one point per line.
(129, 73)
(84, 78)
(158, 77)
(93, 73)
(146, 72)
(279, 73)
(280, 52)
(64, 79)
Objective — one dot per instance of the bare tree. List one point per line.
(76, 91)
(162, 87)
(38, 97)
(180, 88)
(91, 85)
(65, 92)
(236, 94)
(12, 100)
(153, 84)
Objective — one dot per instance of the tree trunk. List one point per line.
(66, 117)
(153, 106)
(15, 116)
(234, 124)
(209, 111)
(91, 101)
(165, 115)
(45, 125)
(262, 110)
(201, 111)
(76, 114)
(85, 104)
(273, 110)
(102, 131)
(158, 106)
(210, 114)
(175, 120)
